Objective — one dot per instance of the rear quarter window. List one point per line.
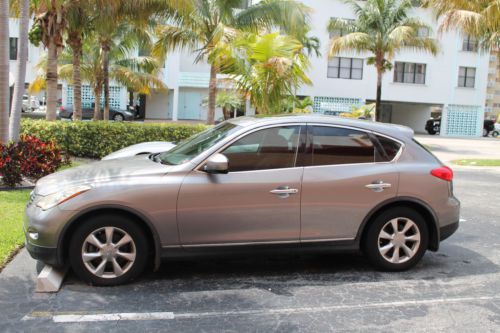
(387, 149)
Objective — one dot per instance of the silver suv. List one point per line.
(248, 185)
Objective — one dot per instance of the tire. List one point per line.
(494, 134)
(374, 243)
(118, 117)
(431, 132)
(82, 242)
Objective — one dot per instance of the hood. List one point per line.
(98, 172)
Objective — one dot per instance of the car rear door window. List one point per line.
(272, 148)
(336, 145)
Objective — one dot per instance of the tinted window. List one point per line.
(332, 145)
(387, 150)
(272, 148)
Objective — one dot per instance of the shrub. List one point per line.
(10, 165)
(39, 158)
(96, 139)
(31, 158)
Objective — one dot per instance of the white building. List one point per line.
(454, 82)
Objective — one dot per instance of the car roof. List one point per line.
(396, 131)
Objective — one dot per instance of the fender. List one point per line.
(141, 216)
(435, 233)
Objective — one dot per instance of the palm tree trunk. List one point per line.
(4, 71)
(76, 46)
(51, 81)
(105, 70)
(378, 102)
(97, 104)
(22, 59)
(212, 95)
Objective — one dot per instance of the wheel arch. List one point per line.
(420, 206)
(139, 218)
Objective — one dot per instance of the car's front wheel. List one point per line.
(108, 250)
(397, 239)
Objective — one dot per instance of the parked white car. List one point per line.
(141, 149)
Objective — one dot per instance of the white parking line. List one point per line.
(79, 318)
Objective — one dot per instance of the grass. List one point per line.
(473, 162)
(12, 204)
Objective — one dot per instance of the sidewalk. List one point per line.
(449, 149)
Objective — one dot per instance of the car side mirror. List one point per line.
(217, 163)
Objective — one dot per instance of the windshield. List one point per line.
(195, 145)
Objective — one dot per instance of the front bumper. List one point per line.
(47, 255)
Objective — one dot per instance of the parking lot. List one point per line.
(457, 288)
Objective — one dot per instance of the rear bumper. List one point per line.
(447, 231)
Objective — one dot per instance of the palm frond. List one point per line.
(358, 42)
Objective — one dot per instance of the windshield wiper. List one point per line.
(155, 157)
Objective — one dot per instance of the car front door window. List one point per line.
(271, 148)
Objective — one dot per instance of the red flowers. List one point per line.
(30, 158)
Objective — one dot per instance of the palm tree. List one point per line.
(78, 18)
(477, 18)
(49, 28)
(22, 59)
(4, 71)
(212, 24)
(229, 100)
(138, 74)
(382, 28)
(138, 16)
(268, 68)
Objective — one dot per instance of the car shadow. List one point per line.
(280, 274)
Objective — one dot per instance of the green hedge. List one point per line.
(96, 139)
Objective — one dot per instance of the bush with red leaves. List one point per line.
(29, 158)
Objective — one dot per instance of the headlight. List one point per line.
(58, 198)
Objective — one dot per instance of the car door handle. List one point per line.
(284, 191)
(378, 186)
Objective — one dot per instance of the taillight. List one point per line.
(61, 108)
(444, 173)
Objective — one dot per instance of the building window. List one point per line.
(470, 44)
(406, 72)
(345, 68)
(467, 77)
(13, 48)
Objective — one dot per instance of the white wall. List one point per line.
(159, 105)
(412, 115)
(441, 74)
(34, 53)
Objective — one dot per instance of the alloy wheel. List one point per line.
(108, 252)
(399, 240)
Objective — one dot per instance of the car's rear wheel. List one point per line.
(118, 117)
(108, 250)
(397, 239)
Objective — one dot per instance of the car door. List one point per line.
(257, 201)
(87, 113)
(347, 174)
